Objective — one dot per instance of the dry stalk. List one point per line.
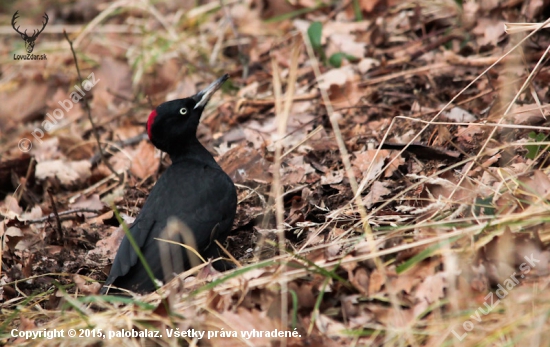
(282, 116)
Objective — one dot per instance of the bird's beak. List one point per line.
(204, 95)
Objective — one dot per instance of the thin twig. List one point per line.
(19, 193)
(271, 101)
(89, 111)
(61, 214)
(54, 208)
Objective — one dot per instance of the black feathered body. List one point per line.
(196, 191)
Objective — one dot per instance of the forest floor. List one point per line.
(390, 157)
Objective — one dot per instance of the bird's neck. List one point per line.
(193, 151)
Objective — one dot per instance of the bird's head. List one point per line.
(175, 122)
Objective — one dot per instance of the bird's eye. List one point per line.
(183, 111)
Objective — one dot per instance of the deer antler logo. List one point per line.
(29, 40)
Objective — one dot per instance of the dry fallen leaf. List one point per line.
(333, 177)
(429, 291)
(145, 163)
(377, 191)
(88, 289)
(459, 115)
(368, 5)
(366, 159)
(11, 208)
(68, 173)
(107, 247)
(336, 77)
(531, 114)
(243, 163)
(489, 31)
